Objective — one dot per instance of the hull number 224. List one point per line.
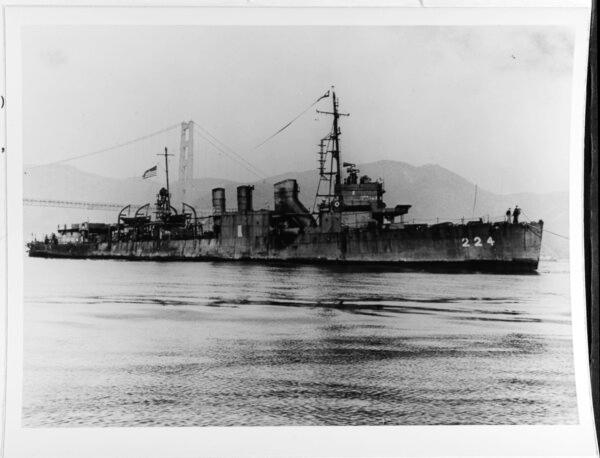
(476, 242)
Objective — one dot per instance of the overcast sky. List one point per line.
(489, 103)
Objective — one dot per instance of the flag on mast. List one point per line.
(151, 172)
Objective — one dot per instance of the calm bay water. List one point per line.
(116, 343)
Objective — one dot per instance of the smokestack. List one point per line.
(244, 198)
(218, 201)
(286, 194)
(286, 201)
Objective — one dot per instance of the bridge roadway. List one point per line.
(101, 206)
(73, 204)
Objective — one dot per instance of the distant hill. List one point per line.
(433, 191)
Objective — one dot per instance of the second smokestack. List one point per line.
(244, 198)
(218, 201)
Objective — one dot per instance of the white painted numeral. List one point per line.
(477, 242)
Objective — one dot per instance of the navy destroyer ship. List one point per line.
(350, 224)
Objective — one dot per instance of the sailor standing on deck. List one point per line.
(508, 214)
(516, 214)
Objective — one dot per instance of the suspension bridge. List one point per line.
(191, 137)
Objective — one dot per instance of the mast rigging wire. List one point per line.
(294, 119)
(474, 202)
(539, 234)
(545, 230)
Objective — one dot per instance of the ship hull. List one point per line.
(512, 266)
(499, 247)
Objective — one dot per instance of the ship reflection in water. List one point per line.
(114, 343)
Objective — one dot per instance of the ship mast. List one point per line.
(330, 145)
(167, 174)
(163, 202)
(335, 153)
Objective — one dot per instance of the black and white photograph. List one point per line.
(319, 224)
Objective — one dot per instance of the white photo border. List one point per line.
(518, 440)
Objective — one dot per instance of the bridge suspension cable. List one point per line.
(105, 150)
(201, 131)
(228, 151)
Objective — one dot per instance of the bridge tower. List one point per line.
(186, 157)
